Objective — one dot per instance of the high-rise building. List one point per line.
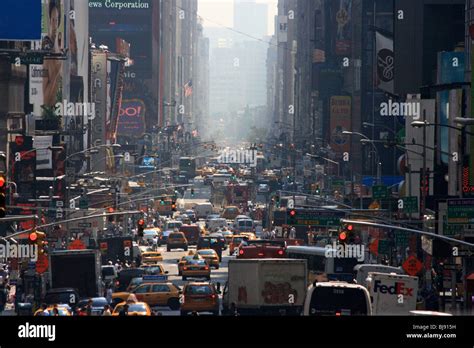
(250, 18)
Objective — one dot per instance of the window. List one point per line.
(160, 288)
(143, 289)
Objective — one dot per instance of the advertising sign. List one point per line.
(340, 108)
(52, 39)
(385, 62)
(131, 121)
(343, 27)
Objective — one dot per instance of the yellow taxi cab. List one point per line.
(134, 309)
(196, 267)
(235, 242)
(151, 257)
(200, 297)
(154, 269)
(250, 235)
(153, 293)
(185, 259)
(177, 240)
(63, 311)
(210, 256)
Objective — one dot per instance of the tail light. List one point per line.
(241, 252)
(185, 268)
(280, 252)
(206, 268)
(213, 296)
(260, 254)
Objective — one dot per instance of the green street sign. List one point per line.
(451, 229)
(24, 58)
(460, 211)
(83, 203)
(408, 204)
(380, 192)
(402, 239)
(384, 247)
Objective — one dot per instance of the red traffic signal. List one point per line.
(141, 222)
(2, 182)
(342, 236)
(32, 237)
(350, 227)
(293, 212)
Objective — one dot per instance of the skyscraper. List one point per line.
(250, 18)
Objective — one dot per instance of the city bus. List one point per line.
(187, 165)
(322, 268)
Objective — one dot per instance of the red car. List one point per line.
(262, 249)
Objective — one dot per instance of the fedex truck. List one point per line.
(392, 294)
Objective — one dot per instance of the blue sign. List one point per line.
(149, 162)
(155, 278)
(20, 20)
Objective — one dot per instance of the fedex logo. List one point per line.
(397, 289)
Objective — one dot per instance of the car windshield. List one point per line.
(175, 235)
(153, 270)
(196, 262)
(207, 252)
(132, 307)
(199, 290)
(152, 255)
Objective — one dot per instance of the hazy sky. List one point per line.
(221, 11)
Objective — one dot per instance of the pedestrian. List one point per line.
(55, 311)
(293, 233)
(155, 243)
(3, 298)
(124, 311)
(106, 312)
(273, 234)
(108, 294)
(44, 310)
(89, 307)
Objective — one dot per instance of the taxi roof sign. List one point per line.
(155, 278)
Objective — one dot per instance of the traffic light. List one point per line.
(192, 192)
(140, 227)
(347, 234)
(38, 238)
(291, 217)
(173, 206)
(111, 217)
(317, 190)
(3, 196)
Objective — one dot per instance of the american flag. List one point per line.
(188, 89)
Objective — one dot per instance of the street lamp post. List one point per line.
(379, 165)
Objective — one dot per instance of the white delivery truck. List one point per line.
(202, 210)
(362, 271)
(265, 287)
(392, 294)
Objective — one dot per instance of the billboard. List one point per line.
(52, 40)
(131, 120)
(385, 62)
(342, 17)
(340, 111)
(20, 20)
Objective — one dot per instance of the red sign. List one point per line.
(42, 264)
(77, 245)
(412, 266)
(374, 247)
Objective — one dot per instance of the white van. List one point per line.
(202, 210)
(362, 271)
(337, 299)
(214, 224)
